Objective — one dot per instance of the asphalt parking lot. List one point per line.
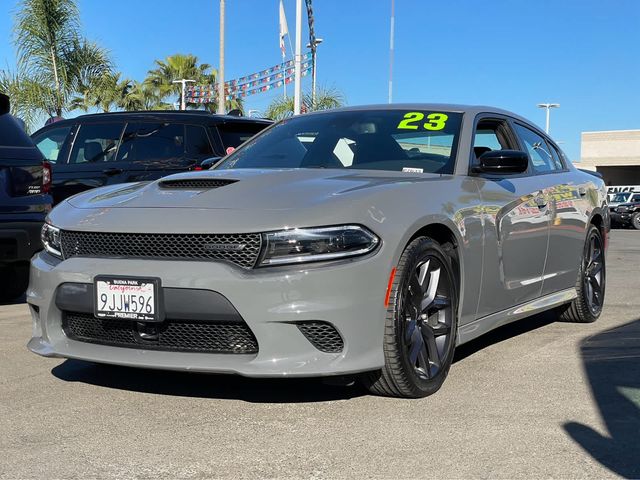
(534, 399)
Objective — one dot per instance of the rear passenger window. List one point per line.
(235, 134)
(556, 157)
(96, 143)
(152, 141)
(50, 142)
(541, 158)
(197, 141)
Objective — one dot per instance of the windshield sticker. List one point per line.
(412, 170)
(436, 121)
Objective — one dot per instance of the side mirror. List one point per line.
(5, 105)
(502, 161)
(209, 162)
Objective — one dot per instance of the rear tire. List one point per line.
(420, 326)
(587, 306)
(14, 279)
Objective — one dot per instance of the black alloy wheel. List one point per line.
(421, 324)
(591, 283)
(594, 274)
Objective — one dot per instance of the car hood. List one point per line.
(249, 189)
(256, 200)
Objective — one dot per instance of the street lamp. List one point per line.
(316, 42)
(548, 106)
(183, 82)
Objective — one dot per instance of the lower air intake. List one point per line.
(170, 335)
(322, 335)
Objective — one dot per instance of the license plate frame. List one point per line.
(129, 283)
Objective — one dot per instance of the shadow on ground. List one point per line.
(612, 362)
(188, 384)
(505, 332)
(253, 390)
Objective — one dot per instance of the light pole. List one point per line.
(221, 95)
(548, 106)
(183, 82)
(297, 77)
(391, 35)
(313, 48)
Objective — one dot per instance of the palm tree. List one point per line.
(282, 107)
(105, 92)
(177, 67)
(142, 97)
(54, 60)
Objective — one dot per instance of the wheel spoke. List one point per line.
(411, 326)
(432, 347)
(416, 346)
(434, 281)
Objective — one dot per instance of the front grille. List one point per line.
(196, 183)
(322, 335)
(170, 335)
(240, 249)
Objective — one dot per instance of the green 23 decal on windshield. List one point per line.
(412, 121)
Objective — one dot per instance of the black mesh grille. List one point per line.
(170, 335)
(323, 336)
(240, 249)
(196, 184)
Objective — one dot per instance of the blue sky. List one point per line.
(583, 54)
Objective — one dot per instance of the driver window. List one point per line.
(489, 136)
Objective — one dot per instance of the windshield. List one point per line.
(393, 140)
(621, 197)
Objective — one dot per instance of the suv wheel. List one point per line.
(421, 324)
(635, 220)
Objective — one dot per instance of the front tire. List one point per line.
(421, 324)
(587, 306)
(635, 221)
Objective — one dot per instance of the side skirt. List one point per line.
(483, 325)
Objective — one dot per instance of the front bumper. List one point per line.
(622, 218)
(349, 295)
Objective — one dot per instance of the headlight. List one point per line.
(50, 236)
(316, 244)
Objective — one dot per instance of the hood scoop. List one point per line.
(195, 183)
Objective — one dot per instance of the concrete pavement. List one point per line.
(534, 399)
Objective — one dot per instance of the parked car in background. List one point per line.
(24, 202)
(627, 214)
(109, 148)
(367, 240)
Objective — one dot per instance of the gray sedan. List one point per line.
(367, 240)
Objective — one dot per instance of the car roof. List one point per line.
(447, 107)
(196, 116)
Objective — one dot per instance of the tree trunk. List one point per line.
(57, 82)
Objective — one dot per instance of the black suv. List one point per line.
(24, 202)
(627, 213)
(108, 148)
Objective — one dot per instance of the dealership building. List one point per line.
(615, 154)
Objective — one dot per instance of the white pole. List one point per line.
(546, 130)
(297, 98)
(221, 95)
(548, 107)
(391, 35)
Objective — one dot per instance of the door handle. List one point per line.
(541, 202)
(112, 171)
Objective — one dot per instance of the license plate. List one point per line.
(127, 298)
